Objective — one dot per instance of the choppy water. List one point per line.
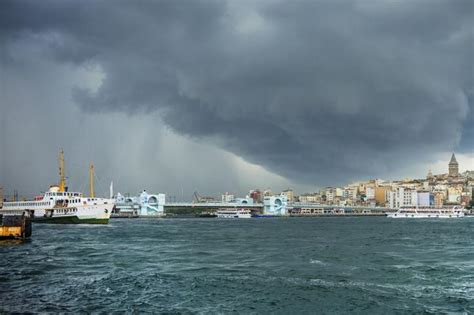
(286, 265)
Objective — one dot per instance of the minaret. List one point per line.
(453, 166)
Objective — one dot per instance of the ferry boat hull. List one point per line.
(99, 214)
(70, 220)
(427, 213)
(92, 214)
(424, 216)
(233, 214)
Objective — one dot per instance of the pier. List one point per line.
(14, 227)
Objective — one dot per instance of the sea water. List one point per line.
(340, 265)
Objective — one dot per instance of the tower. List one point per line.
(453, 166)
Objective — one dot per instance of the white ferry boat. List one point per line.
(455, 212)
(61, 206)
(230, 213)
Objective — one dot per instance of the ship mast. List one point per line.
(91, 181)
(62, 176)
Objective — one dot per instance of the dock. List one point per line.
(15, 227)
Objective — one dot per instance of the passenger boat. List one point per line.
(207, 214)
(58, 205)
(455, 212)
(233, 213)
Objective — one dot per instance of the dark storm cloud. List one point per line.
(312, 90)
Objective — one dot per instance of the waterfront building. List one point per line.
(408, 196)
(370, 192)
(468, 174)
(380, 195)
(426, 185)
(438, 190)
(256, 195)
(351, 192)
(267, 192)
(244, 201)
(390, 196)
(310, 198)
(402, 197)
(466, 198)
(145, 204)
(453, 166)
(289, 194)
(330, 193)
(423, 199)
(226, 197)
(275, 205)
(439, 198)
(152, 204)
(454, 194)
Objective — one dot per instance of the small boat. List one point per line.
(231, 213)
(207, 214)
(455, 212)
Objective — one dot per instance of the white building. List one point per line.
(144, 204)
(402, 197)
(275, 205)
(408, 197)
(152, 204)
(313, 198)
(423, 199)
(350, 192)
(227, 197)
(370, 192)
(290, 195)
(244, 201)
(330, 194)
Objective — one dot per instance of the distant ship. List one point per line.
(58, 205)
(207, 214)
(233, 213)
(455, 212)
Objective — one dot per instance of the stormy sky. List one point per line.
(213, 96)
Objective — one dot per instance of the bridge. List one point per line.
(212, 205)
(155, 205)
(347, 208)
(260, 205)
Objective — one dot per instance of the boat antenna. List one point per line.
(91, 180)
(62, 176)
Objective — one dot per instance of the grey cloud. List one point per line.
(317, 91)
